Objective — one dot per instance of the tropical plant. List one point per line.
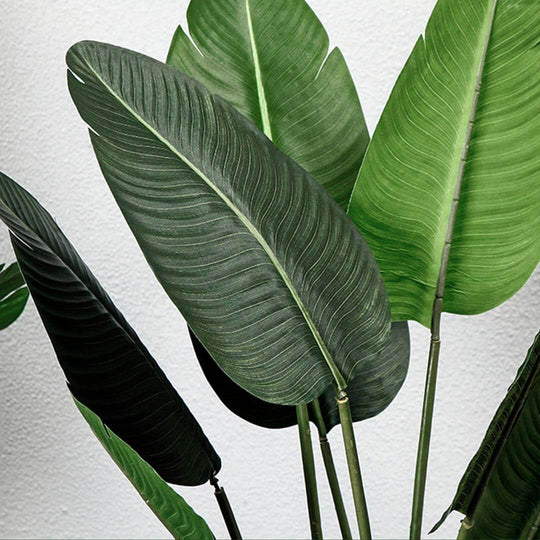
(295, 251)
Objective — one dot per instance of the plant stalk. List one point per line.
(354, 466)
(310, 479)
(425, 429)
(331, 471)
(226, 510)
(435, 344)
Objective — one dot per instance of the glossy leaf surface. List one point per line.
(269, 273)
(369, 394)
(106, 365)
(500, 492)
(269, 59)
(457, 114)
(13, 294)
(170, 508)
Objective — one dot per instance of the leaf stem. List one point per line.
(331, 471)
(226, 510)
(354, 466)
(308, 463)
(425, 429)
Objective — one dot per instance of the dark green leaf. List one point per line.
(106, 366)
(264, 57)
(500, 491)
(13, 294)
(369, 394)
(171, 509)
(269, 59)
(269, 273)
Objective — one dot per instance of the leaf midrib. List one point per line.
(444, 236)
(263, 105)
(337, 375)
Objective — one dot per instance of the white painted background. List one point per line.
(55, 479)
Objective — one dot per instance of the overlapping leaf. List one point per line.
(264, 57)
(13, 294)
(269, 59)
(433, 132)
(369, 394)
(272, 277)
(171, 509)
(106, 366)
(500, 491)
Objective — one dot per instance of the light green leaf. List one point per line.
(170, 508)
(269, 59)
(465, 107)
(269, 273)
(13, 294)
(500, 492)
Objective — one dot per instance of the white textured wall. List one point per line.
(55, 479)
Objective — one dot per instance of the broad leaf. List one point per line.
(255, 54)
(500, 492)
(13, 294)
(171, 509)
(269, 273)
(106, 366)
(269, 59)
(369, 394)
(460, 128)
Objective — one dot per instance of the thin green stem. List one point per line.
(331, 471)
(310, 479)
(425, 436)
(354, 466)
(226, 510)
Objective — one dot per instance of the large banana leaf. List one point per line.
(171, 509)
(369, 394)
(13, 294)
(461, 130)
(500, 491)
(313, 117)
(269, 273)
(106, 366)
(269, 59)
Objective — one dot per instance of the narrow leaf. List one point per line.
(269, 273)
(499, 492)
(106, 366)
(13, 294)
(454, 162)
(170, 508)
(269, 59)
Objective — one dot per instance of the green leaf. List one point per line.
(369, 394)
(461, 123)
(269, 273)
(307, 104)
(269, 59)
(171, 509)
(499, 492)
(106, 365)
(13, 294)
